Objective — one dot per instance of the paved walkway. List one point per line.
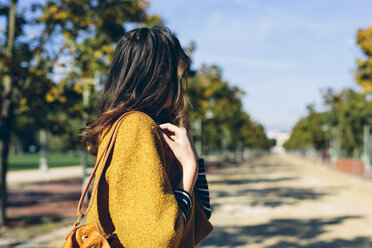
(278, 201)
(16, 178)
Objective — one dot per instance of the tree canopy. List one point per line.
(76, 35)
(219, 107)
(348, 111)
(363, 75)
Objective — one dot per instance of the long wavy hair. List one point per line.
(147, 74)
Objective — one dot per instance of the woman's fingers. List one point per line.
(166, 139)
(170, 127)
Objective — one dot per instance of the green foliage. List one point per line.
(28, 69)
(309, 132)
(348, 111)
(219, 107)
(90, 31)
(77, 36)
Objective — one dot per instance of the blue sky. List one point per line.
(281, 53)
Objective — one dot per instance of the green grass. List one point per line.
(29, 161)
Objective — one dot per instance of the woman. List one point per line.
(152, 194)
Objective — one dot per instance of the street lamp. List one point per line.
(197, 130)
(367, 146)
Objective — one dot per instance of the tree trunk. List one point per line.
(6, 123)
(6, 113)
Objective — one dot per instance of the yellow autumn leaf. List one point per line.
(97, 53)
(53, 9)
(107, 49)
(78, 87)
(49, 97)
(61, 15)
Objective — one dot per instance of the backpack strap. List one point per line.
(102, 157)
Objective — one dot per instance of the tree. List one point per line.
(78, 35)
(363, 75)
(349, 111)
(308, 133)
(90, 33)
(219, 107)
(26, 65)
(6, 114)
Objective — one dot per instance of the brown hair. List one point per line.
(149, 66)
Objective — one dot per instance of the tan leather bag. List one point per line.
(89, 235)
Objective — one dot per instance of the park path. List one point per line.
(285, 201)
(16, 178)
(275, 201)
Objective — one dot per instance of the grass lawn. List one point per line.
(28, 161)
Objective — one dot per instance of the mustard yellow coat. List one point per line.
(135, 198)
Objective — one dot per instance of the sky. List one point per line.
(281, 53)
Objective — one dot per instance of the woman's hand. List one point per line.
(182, 145)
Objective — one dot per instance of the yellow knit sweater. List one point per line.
(135, 199)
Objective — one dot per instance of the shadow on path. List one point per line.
(358, 242)
(271, 197)
(263, 187)
(290, 232)
(43, 202)
(252, 181)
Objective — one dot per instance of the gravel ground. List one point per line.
(274, 201)
(285, 201)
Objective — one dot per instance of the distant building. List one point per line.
(280, 138)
